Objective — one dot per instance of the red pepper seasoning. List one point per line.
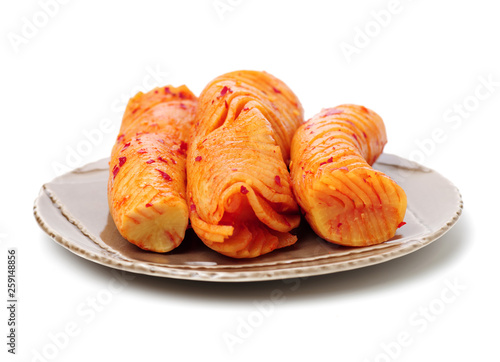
(167, 90)
(141, 151)
(149, 204)
(243, 190)
(165, 175)
(402, 223)
(276, 90)
(182, 105)
(225, 90)
(198, 158)
(277, 179)
(127, 145)
(183, 148)
(120, 138)
(330, 160)
(162, 159)
(115, 171)
(150, 161)
(192, 207)
(122, 161)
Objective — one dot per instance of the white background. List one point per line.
(65, 73)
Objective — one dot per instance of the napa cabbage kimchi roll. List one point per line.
(147, 180)
(239, 189)
(343, 198)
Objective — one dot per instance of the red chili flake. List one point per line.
(182, 105)
(150, 161)
(137, 139)
(183, 148)
(243, 190)
(127, 145)
(164, 175)
(182, 95)
(246, 109)
(142, 150)
(402, 223)
(198, 158)
(156, 91)
(120, 138)
(276, 90)
(225, 90)
(115, 171)
(204, 140)
(225, 104)
(122, 161)
(212, 101)
(135, 110)
(364, 134)
(167, 90)
(192, 207)
(333, 111)
(161, 141)
(339, 225)
(173, 161)
(149, 204)
(355, 137)
(162, 159)
(234, 169)
(277, 179)
(330, 160)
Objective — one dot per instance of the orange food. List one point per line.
(147, 179)
(344, 199)
(239, 188)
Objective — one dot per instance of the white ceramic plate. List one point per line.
(73, 210)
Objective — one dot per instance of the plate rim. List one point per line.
(234, 274)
